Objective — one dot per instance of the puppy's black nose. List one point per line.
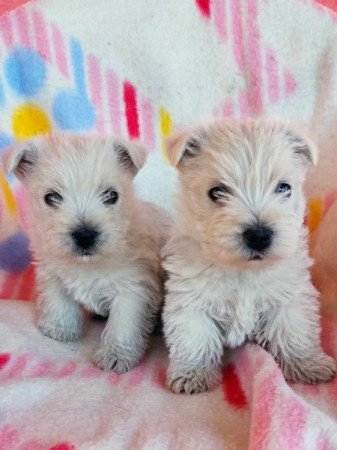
(258, 237)
(84, 237)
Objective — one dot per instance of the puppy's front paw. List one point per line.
(110, 358)
(191, 381)
(58, 333)
(317, 369)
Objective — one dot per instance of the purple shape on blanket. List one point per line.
(15, 255)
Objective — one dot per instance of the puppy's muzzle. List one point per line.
(258, 238)
(85, 238)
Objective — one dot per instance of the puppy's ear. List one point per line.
(182, 147)
(131, 156)
(21, 159)
(303, 146)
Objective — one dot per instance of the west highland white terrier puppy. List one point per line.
(237, 259)
(95, 244)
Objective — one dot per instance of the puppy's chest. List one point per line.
(240, 303)
(95, 291)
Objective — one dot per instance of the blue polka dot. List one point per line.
(73, 111)
(25, 71)
(15, 255)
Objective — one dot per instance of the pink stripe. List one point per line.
(272, 73)
(136, 375)
(33, 444)
(323, 443)
(6, 30)
(68, 368)
(220, 17)
(292, 423)
(95, 82)
(43, 369)
(59, 50)
(147, 123)
(289, 83)
(329, 200)
(262, 411)
(310, 390)
(244, 367)
(114, 97)
(19, 366)
(41, 35)
(9, 5)
(9, 437)
(254, 52)
(228, 109)
(22, 26)
(237, 34)
(159, 377)
(244, 105)
(113, 378)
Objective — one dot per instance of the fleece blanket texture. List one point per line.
(138, 69)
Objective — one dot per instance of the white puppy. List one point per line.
(94, 243)
(237, 260)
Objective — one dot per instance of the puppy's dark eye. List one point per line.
(109, 196)
(53, 199)
(284, 189)
(218, 192)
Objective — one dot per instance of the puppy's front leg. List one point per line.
(59, 316)
(125, 337)
(196, 349)
(293, 334)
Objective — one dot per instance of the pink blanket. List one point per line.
(137, 69)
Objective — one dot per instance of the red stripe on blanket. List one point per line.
(204, 6)
(130, 100)
(27, 290)
(331, 4)
(232, 389)
(159, 377)
(63, 446)
(8, 286)
(4, 358)
(8, 5)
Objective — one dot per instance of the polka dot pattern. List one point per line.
(29, 120)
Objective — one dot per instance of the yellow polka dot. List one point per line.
(165, 127)
(315, 213)
(29, 120)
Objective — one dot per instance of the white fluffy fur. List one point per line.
(122, 279)
(217, 296)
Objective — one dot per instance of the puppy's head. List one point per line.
(80, 192)
(241, 189)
